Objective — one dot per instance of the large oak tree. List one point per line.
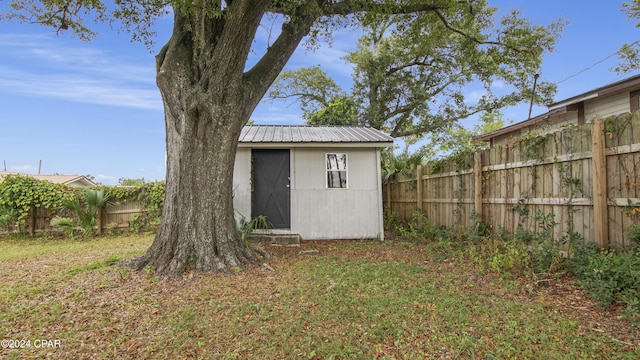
(209, 92)
(416, 74)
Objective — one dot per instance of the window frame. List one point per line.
(328, 170)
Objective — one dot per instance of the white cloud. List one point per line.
(106, 179)
(474, 96)
(32, 65)
(79, 88)
(26, 169)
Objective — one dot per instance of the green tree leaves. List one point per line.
(630, 53)
(413, 73)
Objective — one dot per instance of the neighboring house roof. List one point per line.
(563, 106)
(313, 135)
(520, 125)
(71, 180)
(620, 85)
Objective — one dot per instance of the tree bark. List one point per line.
(208, 97)
(205, 109)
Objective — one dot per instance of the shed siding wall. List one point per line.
(317, 212)
(321, 213)
(554, 124)
(242, 184)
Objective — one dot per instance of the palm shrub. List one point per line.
(86, 213)
(633, 231)
(68, 226)
(403, 163)
(245, 228)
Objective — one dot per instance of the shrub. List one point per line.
(69, 227)
(511, 258)
(480, 230)
(545, 250)
(392, 220)
(417, 228)
(143, 223)
(608, 276)
(86, 213)
(112, 229)
(245, 228)
(8, 217)
(20, 194)
(633, 231)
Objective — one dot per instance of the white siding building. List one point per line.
(609, 100)
(320, 182)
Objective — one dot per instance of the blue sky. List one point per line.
(93, 108)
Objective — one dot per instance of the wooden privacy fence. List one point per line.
(587, 177)
(116, 216)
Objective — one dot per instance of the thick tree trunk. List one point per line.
(208, 97)
(198, 230)
(205, 109)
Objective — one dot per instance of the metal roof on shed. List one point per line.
(252, 134)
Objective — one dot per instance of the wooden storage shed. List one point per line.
(319, 182)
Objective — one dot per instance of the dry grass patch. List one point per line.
(349, 299)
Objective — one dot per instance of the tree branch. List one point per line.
(421, 129)
(474, 39)
(347, 7)
(265, 71)
(308, 96)
(394, 70)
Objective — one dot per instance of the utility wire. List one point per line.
(593, 65)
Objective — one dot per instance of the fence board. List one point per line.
(555, 175)
(117, 216)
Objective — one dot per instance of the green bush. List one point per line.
(546, 251)
(480, 230)
(633, 232)
(143, 223)
(391, 220)
(69, 227)
(8, 217)
(608, 276)
(86, 210)
(511, 258)
(20, 194)
(417, 228)
(245, 228)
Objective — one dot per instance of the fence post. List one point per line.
(32, 220)
(419, 188)
(600, 213)
(477, 174)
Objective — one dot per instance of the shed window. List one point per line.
(337, 171)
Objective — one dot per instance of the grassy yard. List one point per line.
(350, 299)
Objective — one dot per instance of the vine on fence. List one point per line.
(546, 248)
(20, 195)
